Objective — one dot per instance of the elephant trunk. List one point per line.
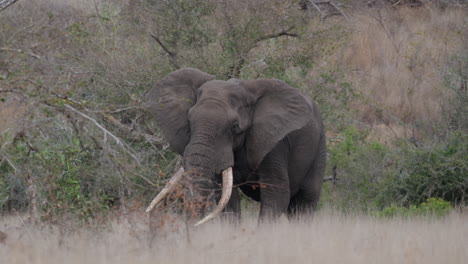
(201, 164)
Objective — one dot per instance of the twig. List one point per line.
(144, 178)
(6, 3)
(21, 51)
(324, 16)
(172, 55)
(135, 134)
(7, 91)
(397, 3)
(279, 34)
(316, 7)
(9, 162)
(339, 10)
(97, 12)
(106, 132)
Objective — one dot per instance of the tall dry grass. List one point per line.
(397, 58)
(328, 238)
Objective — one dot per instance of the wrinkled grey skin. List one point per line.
(270, 133)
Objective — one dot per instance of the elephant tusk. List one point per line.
(225, 196)
(165, 191)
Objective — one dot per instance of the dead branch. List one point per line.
(5, 157)
(21, 51)
(106, 132)
(339, 10)
(133, 133)
(172, 55)
(144, 178)
(7, 91)
(332, 178)
(316, 7)
(279, 34)
(235, 68)
(6, 3)
(323, 15)
(98, 14)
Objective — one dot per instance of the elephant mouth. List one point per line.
(225, 195)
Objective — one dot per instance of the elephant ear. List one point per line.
(170, 100)
(279, 110)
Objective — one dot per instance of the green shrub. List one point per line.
(372, 176)
(432, 207)
(441, 171)
(361, 170)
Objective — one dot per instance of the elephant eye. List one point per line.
(235, 128)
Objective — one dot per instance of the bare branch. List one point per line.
(9, 162)
(98, 14)
(279, 34)
(6, 3)
(106, 132)
(135, 134)
(172, 55)
(21, 51)
(323, 15)
(339, 10)
(316, 7)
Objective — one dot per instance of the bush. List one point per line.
(361, 169)
(432, 207)
(372, 176)
(441, 172)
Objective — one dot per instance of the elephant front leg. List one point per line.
(274, 201)
(274, 185)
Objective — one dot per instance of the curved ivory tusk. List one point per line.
(165, 191)
(225, 196)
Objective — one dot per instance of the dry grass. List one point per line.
(329, 238)
(397, 59)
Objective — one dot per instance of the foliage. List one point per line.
(441, 172)
(106, 155)
(361, 170)
(432, 206)
(373, 176)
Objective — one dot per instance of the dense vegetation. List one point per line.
(76, 143)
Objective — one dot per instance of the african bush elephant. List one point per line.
(263, 136)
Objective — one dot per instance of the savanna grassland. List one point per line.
(328, 238)
(80, 159)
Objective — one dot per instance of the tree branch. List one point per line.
(172, 55)
(339, 10)
(5, 157)
(21, 51)
(329, 2)
(316, 7)
(133, 133)
(106, 132)
(279, 34)
(6, 3)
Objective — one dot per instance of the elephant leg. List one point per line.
(306, 200)
(274, 183)
(232, 212)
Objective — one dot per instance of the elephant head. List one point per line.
(208, 121)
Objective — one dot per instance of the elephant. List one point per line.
(261, 136)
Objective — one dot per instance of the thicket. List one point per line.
(84, 147)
